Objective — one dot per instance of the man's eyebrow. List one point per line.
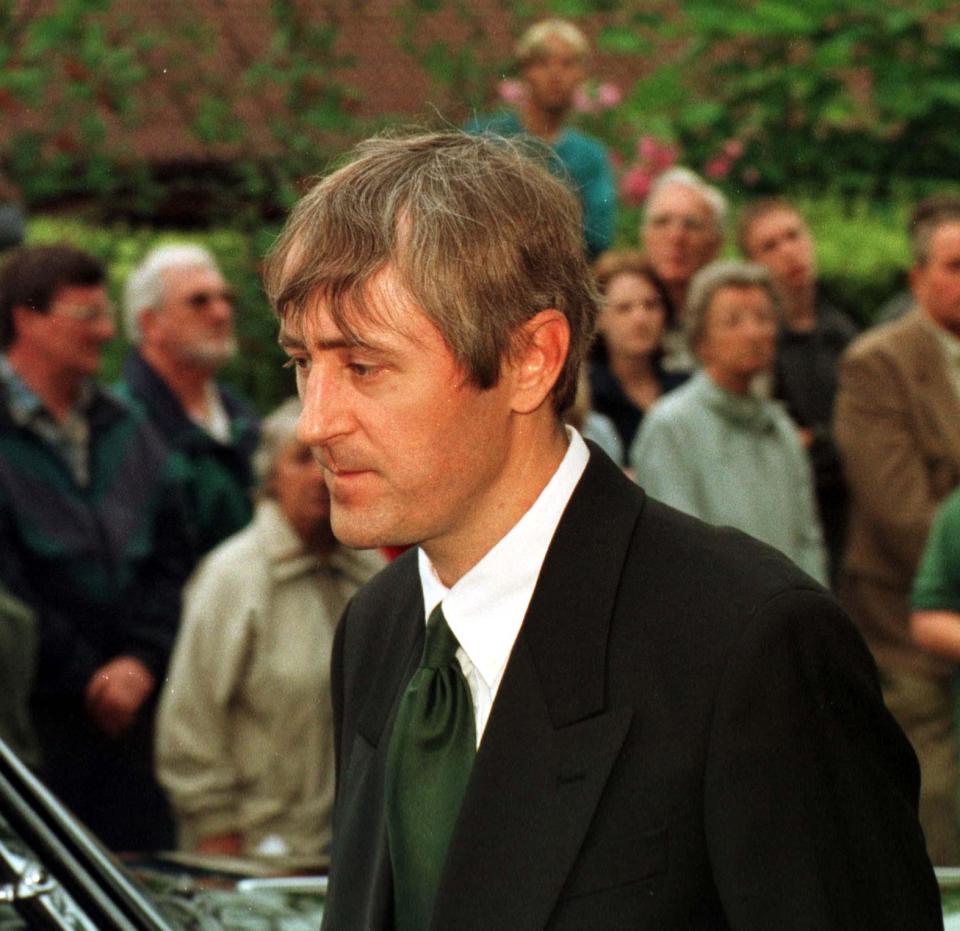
(288, 341)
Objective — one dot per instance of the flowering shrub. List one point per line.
(653, 157)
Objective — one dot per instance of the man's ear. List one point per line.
(540, 352)
(146, 321)
(916, 280)
(25, 321)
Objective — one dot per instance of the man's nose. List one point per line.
(221, 308)
(324, 415)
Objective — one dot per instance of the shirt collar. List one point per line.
(946, 340)
(486, 607)
(748, 411)
(25, 404)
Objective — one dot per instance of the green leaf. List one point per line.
(623, 41)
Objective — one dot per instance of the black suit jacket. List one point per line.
(688, 733)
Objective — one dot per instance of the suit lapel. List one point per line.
(405, 624)
(551, 741)
(365, 884)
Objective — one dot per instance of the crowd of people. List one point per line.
(170, 584)
(111, 498)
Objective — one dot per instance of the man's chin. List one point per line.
(211, 353)
(363, 534)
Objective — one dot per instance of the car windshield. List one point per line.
(54, 874)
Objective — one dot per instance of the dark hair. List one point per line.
(754, 211)
(926, 218)
(31, 277)
(481, 236)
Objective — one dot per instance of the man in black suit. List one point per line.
(637, 721)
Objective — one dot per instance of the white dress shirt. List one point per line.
(486, 607)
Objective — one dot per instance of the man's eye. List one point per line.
(361, 369)
(296, 362)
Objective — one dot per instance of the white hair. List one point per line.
(145, 284)
(277, 430)
(684, 177)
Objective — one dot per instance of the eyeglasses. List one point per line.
(198, 300)
(86, 313)
(685, 221)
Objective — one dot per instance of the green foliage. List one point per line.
(257, 370)
(862, 96)
(462, 70)
(74, 75)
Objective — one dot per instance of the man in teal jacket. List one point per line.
(551, 56)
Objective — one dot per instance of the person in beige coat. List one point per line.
(245, 729)
(897, 426)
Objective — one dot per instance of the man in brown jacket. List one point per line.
(897, 425)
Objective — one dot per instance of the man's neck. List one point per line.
(677, 292)
(188, 382)
(546, 124)
(800, 309)
(518, 488)
(57, 390)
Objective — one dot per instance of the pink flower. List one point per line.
(512, 91)
(635, 185)
(718, 167)
(647, 148)
(733, 149)
(582, 101)
(665, 157)
(608, 96)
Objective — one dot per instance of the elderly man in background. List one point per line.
(179, 318)
(682, 231)
(552, 57)
(897, 426)
(245, 729)
(813, 335)
(91, 541)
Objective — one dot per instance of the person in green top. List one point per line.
(935, 621)
(551, 56)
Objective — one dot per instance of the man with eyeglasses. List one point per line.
(179, 318)
(682, 232)
(91, 541)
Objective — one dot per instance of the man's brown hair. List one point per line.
(754, 211)
(478, 233)
(926, 218)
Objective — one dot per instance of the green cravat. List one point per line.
(428, 764)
